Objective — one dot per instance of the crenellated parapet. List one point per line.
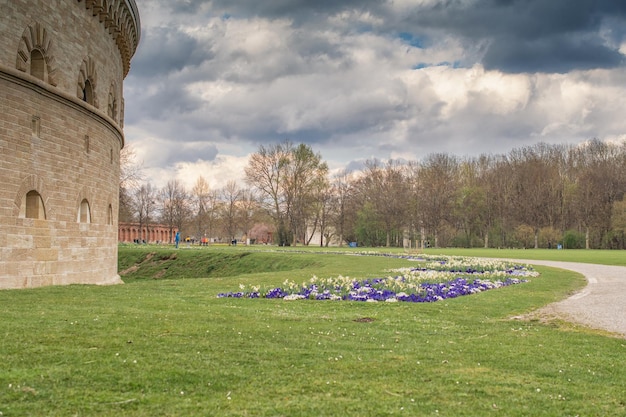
(121, 19)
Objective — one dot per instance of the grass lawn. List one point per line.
(604, 257)
(163, 344)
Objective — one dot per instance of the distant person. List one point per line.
(177, 239)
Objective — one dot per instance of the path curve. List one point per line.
(600, 305)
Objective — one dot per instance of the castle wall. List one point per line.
(59, 144)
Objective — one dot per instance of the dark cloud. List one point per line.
(166, 50)
(532, 35)
(558, 54)
(514, 36)
(158, 102)
(192, 152)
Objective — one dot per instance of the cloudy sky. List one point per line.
(361, 79)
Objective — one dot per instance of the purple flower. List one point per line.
(386, 289)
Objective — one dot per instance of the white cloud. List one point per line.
(217, 172)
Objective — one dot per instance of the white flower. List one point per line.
(291, 297)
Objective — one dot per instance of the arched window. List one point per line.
(112, 105)
(88, 92)
(84, 215)
(35, 54)
(110, 215)
(87, 82)
(37, 64)
(32, 206)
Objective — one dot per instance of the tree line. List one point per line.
(536, 196)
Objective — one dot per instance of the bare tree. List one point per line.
(383, 192)
(130, 178)
(437, 191)
(175, 207)
(618, 225)
(203, 205)
(532, 195)
(288, 179)
(248, 210)
(305, 182)
(265, 171)
(231, 194)
(144, 204)
(537, 194)
(342, 191)
(326, 207)
(393, 201)
(600, 184)
(499, 184)
(471, 211)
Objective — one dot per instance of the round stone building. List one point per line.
(62, 65)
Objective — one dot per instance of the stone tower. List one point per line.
(62, 65)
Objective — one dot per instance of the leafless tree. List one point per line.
(537, 193)
(248, 210)
(288, 179)
(534, 196)
(130, 179)
(204, 206)
(600, 184)
(618, 225)
(342, 191)
(471, 210)
(306, 178)
(175, 207)
(265, 171)
(437, 191)
(498, 181)
(230, 195)
(384, 189)
(326, 212)
(144, 205)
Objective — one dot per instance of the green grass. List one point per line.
(139, 263)
(604, 257)
(163, 344)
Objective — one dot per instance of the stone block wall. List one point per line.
(60, 138)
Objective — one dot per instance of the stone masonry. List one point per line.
(62, 66)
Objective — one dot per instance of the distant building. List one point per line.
(62, 66)
(150, 233)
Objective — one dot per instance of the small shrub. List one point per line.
(573, 240)
(549, 237)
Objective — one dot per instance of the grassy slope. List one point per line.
(169, 347)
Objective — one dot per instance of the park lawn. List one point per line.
(168, 346)
(604, 257)
(597, 256)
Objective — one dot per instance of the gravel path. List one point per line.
(600, 305)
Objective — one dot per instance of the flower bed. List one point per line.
(435, 278)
